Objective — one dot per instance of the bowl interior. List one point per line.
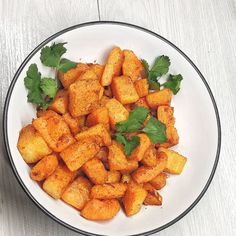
(195, 120)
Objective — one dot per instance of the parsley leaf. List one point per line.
(173, 83)
(129, 145)
(155, 130)
(65, 65)
(134, 122)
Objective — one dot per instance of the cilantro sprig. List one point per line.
(173, 83)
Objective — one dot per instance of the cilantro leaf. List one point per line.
(146, 66)
(173, 83)
(160, 66)
(134, 122)
(129, 145)
(49, 87)
(65, 65)
(155, 130)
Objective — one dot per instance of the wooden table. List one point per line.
(205, 30)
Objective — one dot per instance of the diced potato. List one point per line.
(148, 187)
(141, 87)
(98, 69)
(104, 100)
(44, 168)
(77, 193)
(159, 181)
(79, 153)
(113, 66)
(144, 174)
(159, 98)
(141, 103)
(130, 167)
(56, 183)
(96, 209)
(47, 113)
(113, 177)
(175, 162)
(84, 97)
(55, 132)
(98, 133)
(103, 154)
(139, 151)
(123, 90)
(60, 103)
(81, 121)
(134, 198)
(150, 158)
(73, 123)
(31, 145)
(132, 66)
(71, 75)
(117, 112)
(88, 75)
(108, 191)
(165, 114)
(116, 157)
(95, 171)
(153, 199)
(172, 137)
(126, 178)
(98, 116)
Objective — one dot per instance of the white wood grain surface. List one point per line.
(205, 30)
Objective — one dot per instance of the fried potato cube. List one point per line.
(134, 198)
(175, 161)
(139, 151)
(132, 66)
(57, 182)
(172, 137)
(44, 168)
(98, 116)
(153, 199)
(126, 178)
(144, 173)
(165, 114)
(159, 181)
(159, 98)
(47, 113)
(79, 153)
(150, 158)
(113, 66)
(108, 191)
(141, 103)
(130, 167)
(116, 111)
(104, 100)
(97, 69)
(84, 97)
(113, 177)
(60, 103)
(88, 75)
(96, 209)
(141, 87)
(77, 193)
(123, 90)
(95, 171)
(116, 157)
(98, 133)
(102, 154)
(55, 132)
(31, 145)
(71, 75)
(73, 123)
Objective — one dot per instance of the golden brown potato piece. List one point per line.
(55, 132)
(134, 198)
(60, 103)
(73, 123)
(88, 75)
(150, 158)
(102, 154)
(96, 209)
(126, 178)
(116, 111)
(116, 157)
(79, 153)
(132, 66)
(98, 116)
(71, 75)
(130, 167)
(159, 98)
(141, 87)
(123, 90)
(153, 199)
(141, 103)
(95, 171)
(172, 137)
(31, 145)
(77, 193)
(47, 113)
(144, 174)
(113, 177)
(57, 182)
(44, 168)
(108, 191)
(84, 97)
(98, 133)
(113, 66)
(175, 163)
(139, 151)
(159, 181)
(97, 69)
(165, 114)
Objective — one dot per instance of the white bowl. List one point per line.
(197, 121)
